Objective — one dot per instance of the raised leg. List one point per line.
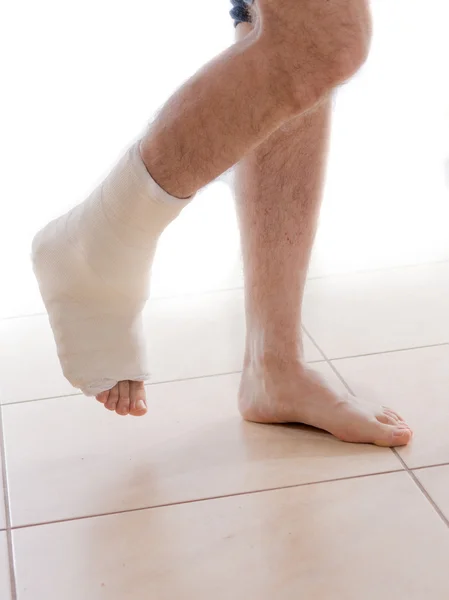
(295, 54)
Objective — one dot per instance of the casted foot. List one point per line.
(93, 267)
(294, 394)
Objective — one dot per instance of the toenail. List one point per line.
(400, 432)
(141, 405)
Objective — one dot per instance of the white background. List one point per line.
(82, 79)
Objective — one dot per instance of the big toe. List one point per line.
(393, 435)
(138, 405)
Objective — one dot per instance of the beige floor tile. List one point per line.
(2, 495)
(346, 540)
(378, 311)
(436, 482)
(5, 588)
(69, 457)
(29, 365)
(201, 335)
(416, 384)
(311, 352)
(2, 501)
(189, 336)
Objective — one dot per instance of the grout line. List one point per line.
(324, 358)
(232, 289)
(379, 269)
(445, 464)
(329, 362)
(9, 541)
(423, 490)
(151, 301)
(25, 316)
(312, 341)
(335, 370)
(75, 394)
(164, 382)
(394, 450)
(385, 351)
(208, 499)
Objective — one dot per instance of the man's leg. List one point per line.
(93, 263)
(297, 52)
(278, 192)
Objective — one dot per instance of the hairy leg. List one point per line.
(93, 263)
(296, 53)
(278, 191)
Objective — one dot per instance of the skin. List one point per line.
(212, 121)
(290, 60)
(278, 192)
(296, 54)
(126, 398)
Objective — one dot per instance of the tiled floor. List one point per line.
(202, 334)
(191, 502)
(2, 502)
(335, 540)
(5, 587)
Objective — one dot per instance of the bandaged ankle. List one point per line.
(93, 268)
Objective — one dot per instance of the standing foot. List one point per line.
(294, 394)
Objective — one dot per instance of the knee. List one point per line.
(318, 53)
(350, 53)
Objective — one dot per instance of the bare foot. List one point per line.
(294, 394)
(125, 398)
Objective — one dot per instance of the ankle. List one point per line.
(289, 360)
